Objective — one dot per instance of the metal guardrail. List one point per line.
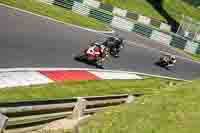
(24, 116)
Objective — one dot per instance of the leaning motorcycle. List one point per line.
(165, 62)
(114, 49)
(97, 60)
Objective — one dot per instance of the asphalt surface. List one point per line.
(31, 41)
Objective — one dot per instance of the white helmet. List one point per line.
(173, 57)
(96, 43)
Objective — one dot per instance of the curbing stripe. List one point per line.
(19, 78)
(87, 69)
(26, 77)
(113, 75)
(62, 75)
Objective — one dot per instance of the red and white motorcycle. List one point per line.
(95, 54)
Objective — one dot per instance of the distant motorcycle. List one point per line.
(167, 61)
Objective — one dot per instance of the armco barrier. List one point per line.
(144, 20)
(63, 3)
(161, 37)
(191, 47)
(142, 30)
(122, 23)
(31, 115)
(150, 32)
(125, 13)
(92, 3)
(155, 23)
(81, 9)
(106, 7)
(119, 12)
(178, 42)
(100, 16)
(165, 27)
(132, 15)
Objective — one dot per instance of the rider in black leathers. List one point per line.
(168, 59)
(114, 43)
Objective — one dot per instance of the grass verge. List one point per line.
(172, 109)
(84, 88)
(56, 12)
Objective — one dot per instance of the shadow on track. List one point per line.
(85, 61)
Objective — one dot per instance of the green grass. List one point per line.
(170, 110)
(174, 7)
(83, 88)
(56, 12)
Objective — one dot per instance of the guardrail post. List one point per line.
(130, 99)
(79, 109)
(78, 113)
(3, 122)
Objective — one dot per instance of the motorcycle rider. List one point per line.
(114, 43)
(169, 59)
(96, 50)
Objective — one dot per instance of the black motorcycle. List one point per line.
(114, 47)
(165, 62)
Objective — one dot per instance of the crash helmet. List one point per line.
(173, 57)
(97, 44)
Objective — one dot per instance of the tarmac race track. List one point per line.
(31, 41)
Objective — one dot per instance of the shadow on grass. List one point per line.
(158, 6)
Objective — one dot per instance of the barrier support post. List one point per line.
(3, 122)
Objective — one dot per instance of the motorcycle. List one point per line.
(97, 60)
(165, 62)
(114, 49)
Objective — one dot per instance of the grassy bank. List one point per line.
(171, 110)
(56, 12)
(173, 7)
(83, 88)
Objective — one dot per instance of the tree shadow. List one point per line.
(157, 5)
